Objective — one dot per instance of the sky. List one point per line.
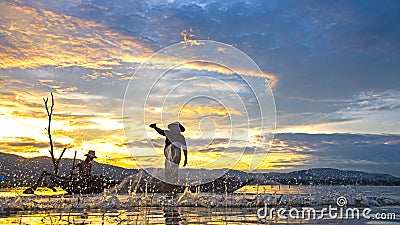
(332, 67)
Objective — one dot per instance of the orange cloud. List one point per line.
(165, 62)
(38, 37)
(272, 79)
(198, 110)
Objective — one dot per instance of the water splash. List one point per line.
(111, 201)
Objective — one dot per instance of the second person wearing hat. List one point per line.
(85, 167)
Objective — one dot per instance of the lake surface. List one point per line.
(46, 207)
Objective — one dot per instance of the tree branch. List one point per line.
(49, 111)
(62, 153)
(59, 159)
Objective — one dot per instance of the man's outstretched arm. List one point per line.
(154, 126)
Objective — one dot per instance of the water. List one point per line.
(150, 215)
(372, 191)
(46, 207)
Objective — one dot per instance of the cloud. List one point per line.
(34, 37)
(370, 153)
(26, 146)
(272, 78)
(77, 123)
(198, 110)
(371, 101)
(289, 39)
(57, 39)
(369, 109)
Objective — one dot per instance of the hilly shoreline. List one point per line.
(19, 171)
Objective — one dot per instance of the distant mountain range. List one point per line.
(329, 176)
(20, 171)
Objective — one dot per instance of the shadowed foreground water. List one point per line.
(167, 215)
(238, 208)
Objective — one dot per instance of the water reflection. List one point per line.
(238, 208)
(172, 215)
(166, 215)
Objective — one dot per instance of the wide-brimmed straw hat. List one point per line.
(91, 153)
(181, 127)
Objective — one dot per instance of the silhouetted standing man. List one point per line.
(174, 142)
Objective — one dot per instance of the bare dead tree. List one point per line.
(56, 162)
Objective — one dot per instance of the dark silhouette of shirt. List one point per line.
(85, 168)
(174, 142)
